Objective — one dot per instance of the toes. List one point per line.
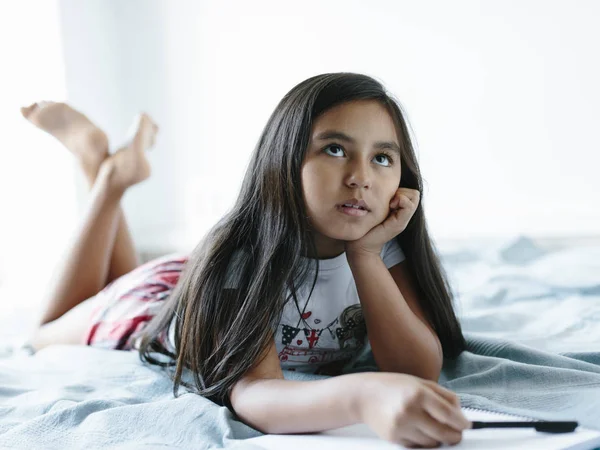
(143, 130)
(146, 124)
(145, 118)
(27, 110)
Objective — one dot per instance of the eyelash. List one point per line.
(384, 153)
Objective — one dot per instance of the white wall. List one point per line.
(38, 206)
(115, 68)
(502, 98)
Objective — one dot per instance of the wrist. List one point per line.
(362, 256)
(360, 395)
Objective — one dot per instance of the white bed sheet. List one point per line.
(516, 289)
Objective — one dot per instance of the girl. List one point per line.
(325, 250)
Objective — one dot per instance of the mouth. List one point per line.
(354, 207)
(354, 203)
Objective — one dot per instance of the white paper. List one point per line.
(361, 437)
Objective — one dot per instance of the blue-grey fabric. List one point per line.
(81, 397)
(504, 376)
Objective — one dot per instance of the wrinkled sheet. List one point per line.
(521, 307)
(514, 289)
(82, 397)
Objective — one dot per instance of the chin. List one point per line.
(350, 235)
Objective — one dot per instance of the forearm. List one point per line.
(283, 406)
(400, 341)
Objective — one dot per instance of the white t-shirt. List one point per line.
(329, 331)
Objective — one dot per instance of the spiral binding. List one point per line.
(514, 416)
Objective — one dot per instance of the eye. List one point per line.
(334, 146)
(386, 158)
(382, 159)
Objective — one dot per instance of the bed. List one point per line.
(530, 309)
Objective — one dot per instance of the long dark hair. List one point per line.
(220, 332)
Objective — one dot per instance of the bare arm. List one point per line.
(400, 408)
(401, 338)
(266, 401)
(277, 406)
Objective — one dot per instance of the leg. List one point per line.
(67, 329)
(83, 272)
(123, 257)
(90, 145)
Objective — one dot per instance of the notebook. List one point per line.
(360, 436)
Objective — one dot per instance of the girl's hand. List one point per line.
(411, 411)
(403, 206)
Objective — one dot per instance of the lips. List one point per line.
(355, 203)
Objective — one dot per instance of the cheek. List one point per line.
(308, 191)
(381, 215)
(388, 193)
(391, 187)
(312, 184)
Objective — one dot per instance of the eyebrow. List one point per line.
(332, 134)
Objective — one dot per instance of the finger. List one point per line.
(406, 443)
(416, 438)
(408, 191)
(453, 398)
(414, 196)
(394, 200)
(436, 430)
(399, 193)
(446, 393)
(445, 412)
(406, 201)
(400, 200)
(439, 433)
(396, 221)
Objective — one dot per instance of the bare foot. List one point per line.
(129, 166)
(87, 142)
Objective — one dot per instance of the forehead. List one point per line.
(362, 119)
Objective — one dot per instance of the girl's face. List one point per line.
(353, 154)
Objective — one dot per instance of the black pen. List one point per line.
(545, 426)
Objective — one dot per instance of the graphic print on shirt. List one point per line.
(351, 337)
(342, 342)
(353, 331)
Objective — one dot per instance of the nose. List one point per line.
(358, 176)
